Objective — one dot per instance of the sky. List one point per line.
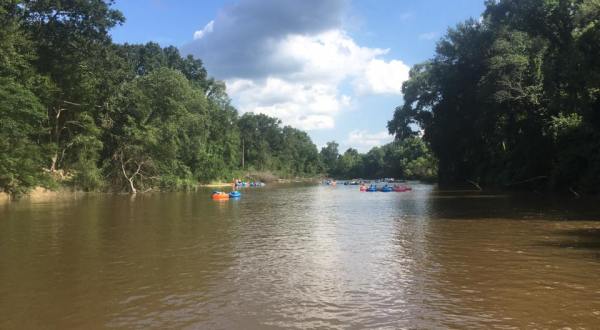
(333, 68)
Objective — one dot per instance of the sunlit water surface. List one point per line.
(301, 257)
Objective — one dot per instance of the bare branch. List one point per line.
(475, 184)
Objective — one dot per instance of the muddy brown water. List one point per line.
(301, 257)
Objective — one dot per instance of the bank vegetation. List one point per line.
(512, 100)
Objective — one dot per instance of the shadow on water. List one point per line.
(471, 205)
(581, 238)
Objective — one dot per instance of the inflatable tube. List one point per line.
(235, 194)
(387, 189)
(219, 195)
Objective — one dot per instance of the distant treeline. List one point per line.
(409, 158)
(76, 108)
(513, 99)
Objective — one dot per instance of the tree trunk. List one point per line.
(54, 159)
(129, 178)
(56, 137)
(133, 190)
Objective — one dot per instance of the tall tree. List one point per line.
(512, 99)
(20, 155)
(329, 157)
(73, 49)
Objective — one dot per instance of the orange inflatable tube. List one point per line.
(220, 196)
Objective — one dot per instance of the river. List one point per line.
(306, 256)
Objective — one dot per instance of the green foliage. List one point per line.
(87, 175)
(512, 97)
(410, 158)
(154, 117)
(329, 157)
(298, 155)
(350, 164)
(20, 155)
(268, 146)
(123, 117)
(562, 126)
(16, 49)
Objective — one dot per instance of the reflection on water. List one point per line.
(301, 257)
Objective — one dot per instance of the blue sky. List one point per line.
(331, 67)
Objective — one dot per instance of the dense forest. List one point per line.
(80, 110)
(512, 100)
(408, 158)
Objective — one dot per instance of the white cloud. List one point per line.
(381, 77)
(364, 141)
(330, 56)
(208, 28)
(287, 59)
(309, 97)
(307, 106)
(428, 36)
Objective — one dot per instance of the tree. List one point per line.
(155, 117)
(409, 158)
(20, 155)
(329, 157)
(374, 163)
(261, 136)
(72, 45)
(123, 117)
(512, 99)
(350, 164)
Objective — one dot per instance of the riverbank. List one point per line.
(216, 185)
(41, 194)
(295, 180)
(262, 176)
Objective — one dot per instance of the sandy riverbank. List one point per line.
(4, 197)
(216, 185)
(40, 194)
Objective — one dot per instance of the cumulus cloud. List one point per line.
(244, 36)
(364, 141)
(309, 106)
(381, 77)
(288, 58)
(331, 56)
